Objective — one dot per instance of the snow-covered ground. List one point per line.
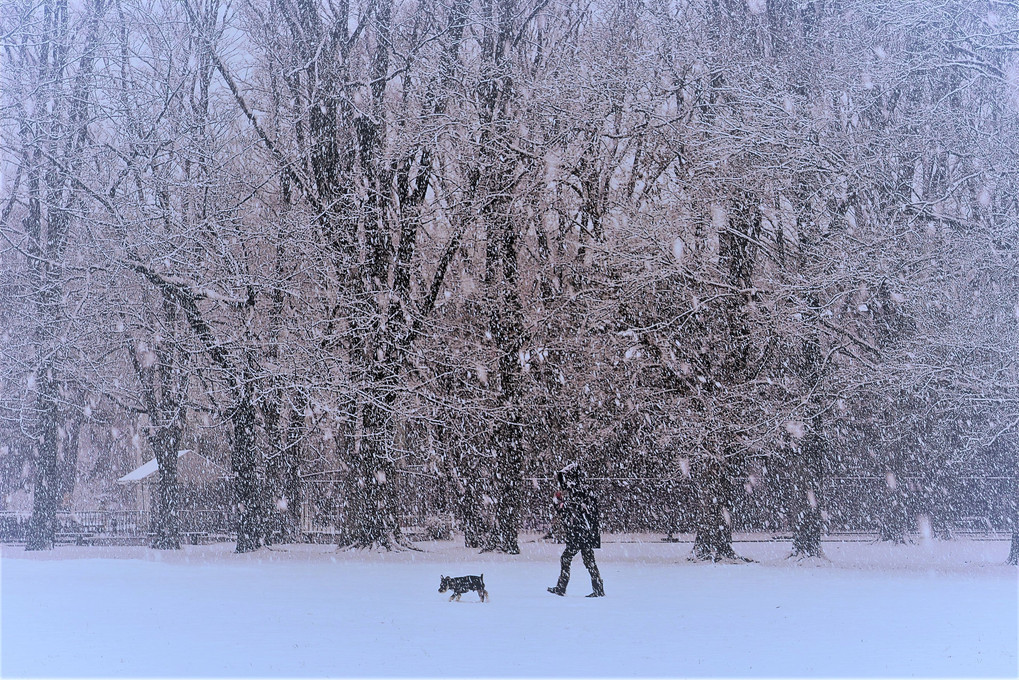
(932, 609)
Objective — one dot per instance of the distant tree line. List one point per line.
(697, 240)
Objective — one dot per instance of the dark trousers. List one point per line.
(587, 554)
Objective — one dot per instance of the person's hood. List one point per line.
(569, 476)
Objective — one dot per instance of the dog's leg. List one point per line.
(454, 595)
(484, 595)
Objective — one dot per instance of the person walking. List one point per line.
(577, 508)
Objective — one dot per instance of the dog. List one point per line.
(461, 584)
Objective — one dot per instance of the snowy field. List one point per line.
(934, 609)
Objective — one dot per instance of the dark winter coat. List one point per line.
(579, 515)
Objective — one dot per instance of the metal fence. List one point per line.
(853, 504)
(633, 505)
(77, 526)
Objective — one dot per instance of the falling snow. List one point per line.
(337, 281)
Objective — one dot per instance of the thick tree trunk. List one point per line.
(458, 478)
(466, 499)
(737, 252)
(165, 445)
(468, 503)
(713, 540)
(375, 523)
(504, 535)
(713, 537)
(506, 322)
(494, 179)
(937, 500)
(476, 529)
(1013, 555)
(807, 538)
(507, 330)
(894, 518)
(282, 474)
(247, 486)
(42, 525)
(807, 489)
(291, 472)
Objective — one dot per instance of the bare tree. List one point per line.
(52, 51)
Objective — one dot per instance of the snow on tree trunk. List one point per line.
(713, 539)
(476, 529)
(161, 382)
(713, 517)
(807, 493)
(737, 252)
(506, 320)
(807, 538)
(468, 491)
(894, 520)
(165, 445)
(496, 178)
(375, 522)
(42, 525)
(1013, 555)
(458, 478)
(282, 468)
(503, 537)
(248, 489)
(289, 474)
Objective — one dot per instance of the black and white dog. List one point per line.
(461, 584)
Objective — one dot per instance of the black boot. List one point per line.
(556, 591)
